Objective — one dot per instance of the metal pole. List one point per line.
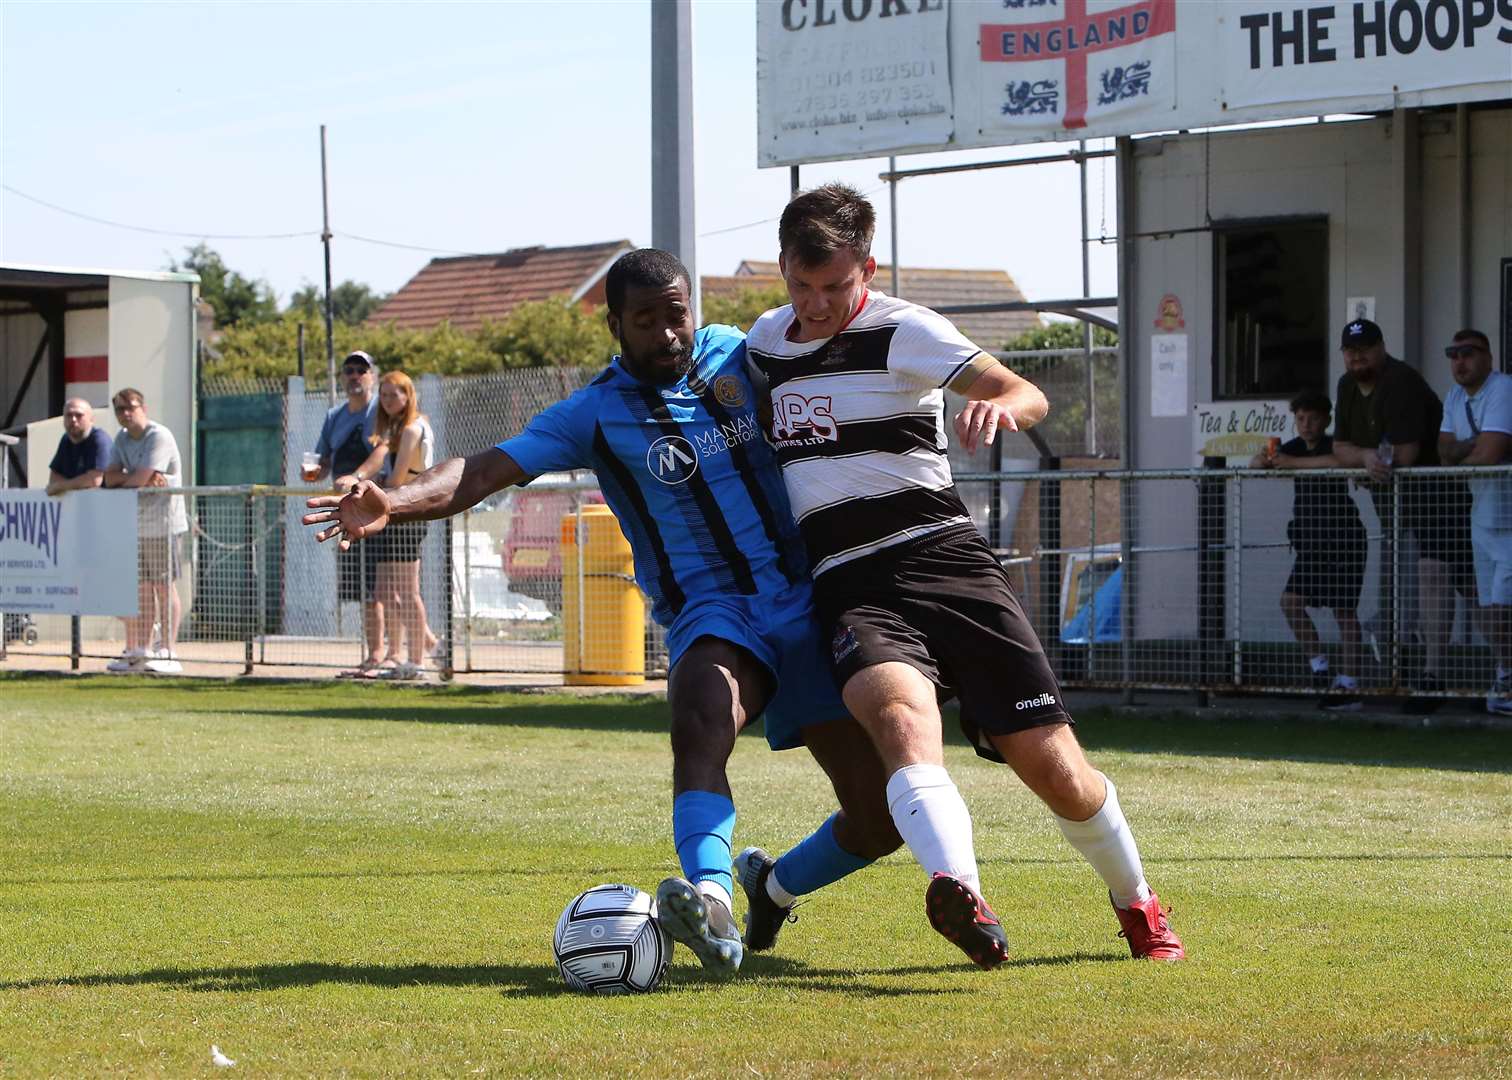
(892, 209)
(449, 666)
(1128, 496)
(301, 351)
(793, 187)
(325, 239)
(672, 216)
(467, 608)
(1081, 167)
(251, 577)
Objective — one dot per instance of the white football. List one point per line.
(609, 942)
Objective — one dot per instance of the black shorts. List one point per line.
(1330, 570)
(944, 606)
(1437, 511)
(356, 573)
(400, 542)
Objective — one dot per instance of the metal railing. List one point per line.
(1203, 579)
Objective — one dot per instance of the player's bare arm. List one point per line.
(998, 398)
(451, 487)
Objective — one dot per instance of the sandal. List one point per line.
(384, 669)
(363, 670)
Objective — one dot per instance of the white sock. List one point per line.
(1106, 841)
(1319, 664)
(933, 820)
(1345, 682)
(780, 896)
(713, 890)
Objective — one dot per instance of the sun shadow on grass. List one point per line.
(536, 980)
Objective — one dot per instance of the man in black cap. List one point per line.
(1388, 416)
(346, 440)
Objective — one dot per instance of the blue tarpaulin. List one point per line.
(1109, 614)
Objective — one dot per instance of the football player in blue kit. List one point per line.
(670, 428)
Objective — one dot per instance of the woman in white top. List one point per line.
(405, 447)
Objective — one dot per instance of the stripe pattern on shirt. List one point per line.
(858, 425)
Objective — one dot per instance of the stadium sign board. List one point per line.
(68, 555)
(860, 78)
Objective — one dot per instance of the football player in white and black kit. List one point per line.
(919, 608)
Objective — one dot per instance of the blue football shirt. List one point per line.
(687, 472)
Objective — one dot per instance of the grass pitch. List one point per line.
(363, 881)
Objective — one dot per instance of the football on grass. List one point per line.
(609, 942)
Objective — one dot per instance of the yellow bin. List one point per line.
(605, 615)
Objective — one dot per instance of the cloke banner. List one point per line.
(74, 554)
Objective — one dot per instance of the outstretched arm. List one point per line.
(449, 488)
(998, 398)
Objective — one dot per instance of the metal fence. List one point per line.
(1211, 580)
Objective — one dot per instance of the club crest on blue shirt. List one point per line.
(728, 392)
(672, 459)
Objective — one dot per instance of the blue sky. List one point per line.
(457, 127)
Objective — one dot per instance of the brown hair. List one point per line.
(128, 395)
(819, 224)
(389, 428)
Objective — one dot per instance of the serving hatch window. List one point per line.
(1271, 296)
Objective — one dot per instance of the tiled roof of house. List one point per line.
(931, 288)
(465, 290)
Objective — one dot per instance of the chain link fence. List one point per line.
(1214, 580)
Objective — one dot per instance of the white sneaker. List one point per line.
(163, 663)
(130, 660)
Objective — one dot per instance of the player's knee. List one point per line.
(702, 735)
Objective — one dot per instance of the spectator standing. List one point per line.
(146, 455)
(1478, 431)
(1330, 545)
(406, 448)
(83, 452)
(1388, 416)
(346, 440)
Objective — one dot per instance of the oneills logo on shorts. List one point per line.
(1036, 702)
(672, 459)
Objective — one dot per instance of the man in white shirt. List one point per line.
(1477, 430)
(146, 455)
(918, 608)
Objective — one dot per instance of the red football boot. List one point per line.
(1149, 935)
(964, 918)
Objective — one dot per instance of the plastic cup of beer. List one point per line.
(309, 466)
(1272, 447)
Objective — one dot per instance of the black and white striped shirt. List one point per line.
(858, 424)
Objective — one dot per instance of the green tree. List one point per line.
(550, 333)
(351, 302)
(744, 307)
(1059, 335)
(236, 299)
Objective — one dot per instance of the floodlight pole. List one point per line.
(1081, 167)
(892, 208)
(325, 239)
(672, 216)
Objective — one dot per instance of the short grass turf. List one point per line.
(356, 880)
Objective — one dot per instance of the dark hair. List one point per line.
(128, 395)
(647, 267)
(1473, 335)
(818, 224)
(1313, 401)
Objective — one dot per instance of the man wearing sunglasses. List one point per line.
(1477, 430)
(146, 455)
(346, 440)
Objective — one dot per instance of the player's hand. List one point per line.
(354, 516)
(978, 423)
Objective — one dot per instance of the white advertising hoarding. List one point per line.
(1019, 71)
(74, 554)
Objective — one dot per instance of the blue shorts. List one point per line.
(782, 631)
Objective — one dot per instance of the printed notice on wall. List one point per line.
(852, 78)
(1168, 374)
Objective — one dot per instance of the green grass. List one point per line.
(363, 880)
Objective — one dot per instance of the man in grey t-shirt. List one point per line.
(146, 455)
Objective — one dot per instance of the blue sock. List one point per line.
(816, 862)
(702, 825)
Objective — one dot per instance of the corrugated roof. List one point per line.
(932, 288)
(465, 290)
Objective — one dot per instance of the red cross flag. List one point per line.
(1062, 65)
